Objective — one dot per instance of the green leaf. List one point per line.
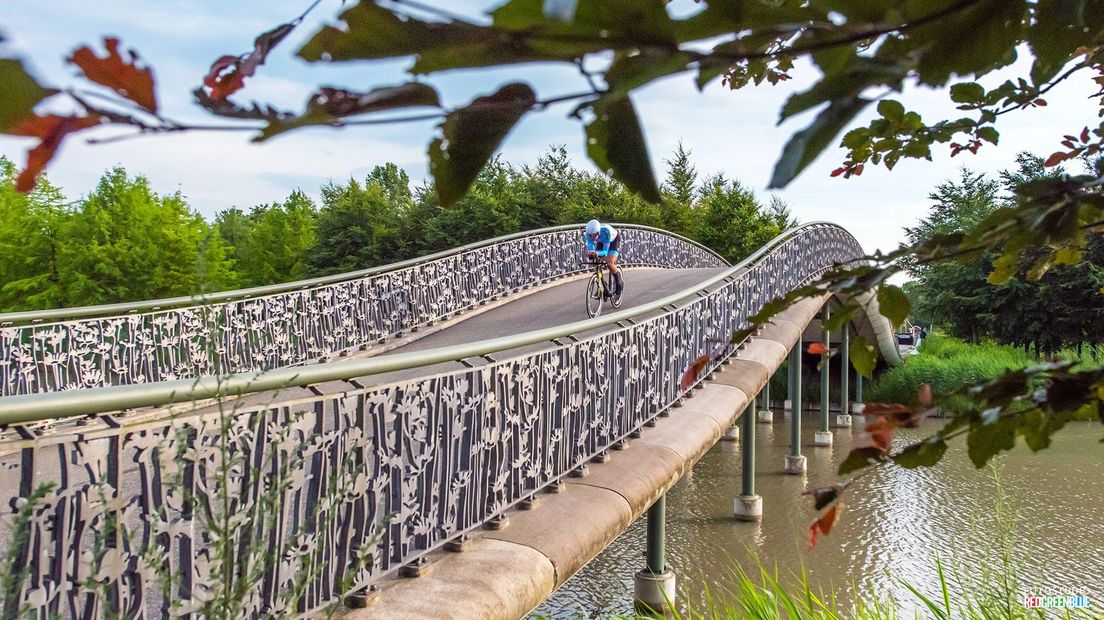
(631, 71)
(840, 316)
(372, 32)
(804, 146)
(615, 143)
(330, 105)
(1004, 267)
(617, 24)
(863, 356)
(892, 110)
(893, 304)
(988, 133)
(845, 85)
(470, 137)
(924, 454)
(967, 92)
(20, 93)
(1059, 28)
(859, 458)
(972, 40)
(986, 440)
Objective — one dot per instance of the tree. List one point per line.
(550, 190)
(957, 296)
(359, 225)
(732, 221)
(30, 225)
(279, 241)
(127, 243)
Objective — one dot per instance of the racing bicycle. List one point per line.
(599, 287)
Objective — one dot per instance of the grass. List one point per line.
(948, 364)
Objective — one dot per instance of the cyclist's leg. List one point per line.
(611, 260)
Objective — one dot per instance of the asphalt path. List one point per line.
(557, 305)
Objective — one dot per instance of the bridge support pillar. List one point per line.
(732, 433)
(843, 419)
(765, 416)
(748, 506)
(858, 406)
(795, 461)
(654, 587)
(823, 435)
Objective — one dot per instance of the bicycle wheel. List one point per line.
(616, 299)
(594, 296)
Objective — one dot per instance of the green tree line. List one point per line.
(125, 242)
(1061, 309)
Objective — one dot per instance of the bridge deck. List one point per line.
(558, 304)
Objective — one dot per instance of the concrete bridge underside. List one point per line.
(506, 573)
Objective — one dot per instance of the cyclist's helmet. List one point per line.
(592, 228)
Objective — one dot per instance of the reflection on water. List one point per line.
(896, 523)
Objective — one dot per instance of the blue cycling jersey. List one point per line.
(606, 235)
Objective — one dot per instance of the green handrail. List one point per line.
(59, 314)
(26, 408)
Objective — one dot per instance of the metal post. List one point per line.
(656, 529)
(795, 461)
(654, 587)
(858, 407)
(748, 452)
(748, 506)
(823, 435)
(791, 378)
(765, 416)
(844, 417)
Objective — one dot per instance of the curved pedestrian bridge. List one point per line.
(283, 446)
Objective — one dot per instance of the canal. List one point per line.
(1045, 509)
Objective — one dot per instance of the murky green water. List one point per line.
(896, 523)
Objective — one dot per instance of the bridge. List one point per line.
(436, 437)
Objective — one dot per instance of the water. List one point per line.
(896, 523)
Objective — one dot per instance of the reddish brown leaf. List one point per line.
(881, 433)
(858, 169)
(1055, 159)
(824, 524)
(830, 518)
(122, 75)
(690, 377)
(839, 171)
(1085, 134)
(228, 73)
(51, 130)
(924, 395)
(814, 529)
(817, 348)
(1040, 102)
(872, 409)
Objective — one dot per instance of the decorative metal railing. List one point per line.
(299, 322)
(298, 500)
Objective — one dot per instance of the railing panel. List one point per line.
(303, 325)
(296, 501)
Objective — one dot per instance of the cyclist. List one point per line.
(603, 241)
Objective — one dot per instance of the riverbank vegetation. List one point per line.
(125, 242)
(1042, 313)
(949, 364)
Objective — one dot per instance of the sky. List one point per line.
(734, 132)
